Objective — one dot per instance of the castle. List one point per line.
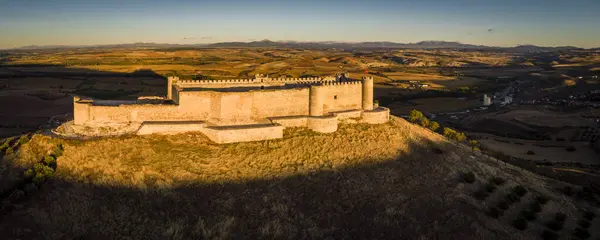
(237, 110)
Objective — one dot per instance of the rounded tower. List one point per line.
(367, 93)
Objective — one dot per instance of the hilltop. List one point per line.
(390, 181)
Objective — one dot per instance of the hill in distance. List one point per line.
(389, 181)
(316, 45)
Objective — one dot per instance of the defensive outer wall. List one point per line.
(237, 110)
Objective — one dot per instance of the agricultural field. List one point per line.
(44, 81)
(581, 151)
(38, 85)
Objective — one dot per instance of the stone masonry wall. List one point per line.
(292, 102)
(226, 108)
(342, 96)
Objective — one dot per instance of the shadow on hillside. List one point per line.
(71, 79)
(33, 94)
(407, 198)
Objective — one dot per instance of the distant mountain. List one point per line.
(125, 45)
(533, 48)
(318, 45)
(330, 44)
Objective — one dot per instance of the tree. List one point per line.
(415, 115)
(474, 144)
(449, 133)
(434, 126)
(424, 122)
(460, 137)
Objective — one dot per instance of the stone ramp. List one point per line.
(170, 127)
(243, 133)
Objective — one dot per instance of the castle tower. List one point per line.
(367, 93)
(170, 81)
(316, 101)
(81, 111)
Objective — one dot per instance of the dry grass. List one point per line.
(363, 181)
(167, 160)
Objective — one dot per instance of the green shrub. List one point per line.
(30, 188)
(16, 195)
(23, 139)
(39, 179)
(38, 167)
(494, 212)
(49, 160)
(424, 122)
(535, 207)
(555, 225)
(489, 187)
(520, 190)
(503, 205)
(58, 150)
(4, 145)
(549, 235)
(560, 217)
(586, 194)
(497, 180)
(480, 195)
(468, 177)
(581, 233)
(414, 115)
(48, 171)
(529, 215)
(29, 173)
(434, 126)
(9, 151)
(583, 223)
(512, 198)
(520, 223)
(530, 152)
(568, 190)
(589, 215)
(542, 199)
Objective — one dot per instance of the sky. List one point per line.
(483, 22)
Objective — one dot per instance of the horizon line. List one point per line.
(281, 41)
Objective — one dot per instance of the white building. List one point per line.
(486, 100)
(507, 100)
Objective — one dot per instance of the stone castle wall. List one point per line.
(230, 115)
(225, 108)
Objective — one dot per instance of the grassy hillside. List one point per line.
(391, 181)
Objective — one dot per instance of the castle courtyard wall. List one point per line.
(228, 108)
(231, 115)
(341, 96)
(279, 103)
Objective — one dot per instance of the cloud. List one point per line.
(206, 38)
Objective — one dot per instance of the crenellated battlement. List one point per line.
(258, 80)
(342, 83)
